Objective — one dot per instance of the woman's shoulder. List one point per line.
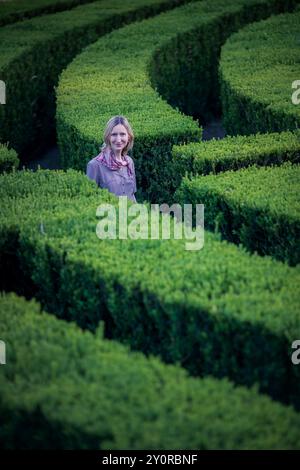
(96, 162)
(130, 159)
(93, 161)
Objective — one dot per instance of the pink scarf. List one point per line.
(108, 159)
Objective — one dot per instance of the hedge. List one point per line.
(258, 207)
(235, 152)
(8, 159)
(27, 119)
(177, 55)
(17, 10)
(257, 68)
(268, 232)
(217, 311)
(64, 388)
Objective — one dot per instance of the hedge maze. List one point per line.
(80, 396)
(138, 344)
(31, 80)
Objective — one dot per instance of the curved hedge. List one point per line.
(219, 311)
(258, 207)
(256, 77)
(235, 152)
(17, 10)
(178, 46)
(252, 77)
(65, 388)
(27, 119)
(216, 311)
(256, 94)
(8, 159)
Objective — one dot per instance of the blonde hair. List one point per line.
(114, 121)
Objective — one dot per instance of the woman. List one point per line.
(113, 169)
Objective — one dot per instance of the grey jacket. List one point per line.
(116, 181)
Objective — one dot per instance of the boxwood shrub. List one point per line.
(217, 311)
(177, 56)
(65, 388)
(16, 10)
(258, 207)
(257, 68)
(235, 152)
(27, 119)
(253, 218)
(8, 159)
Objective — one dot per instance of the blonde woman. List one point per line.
(113, 169)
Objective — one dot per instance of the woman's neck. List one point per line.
(119, 157)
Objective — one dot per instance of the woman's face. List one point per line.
(118, 138)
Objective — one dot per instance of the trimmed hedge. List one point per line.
(256, 78)
(63, 388)
(269, 231)
(17, 10)
(27, 119)
(175, 49)
(216, 311)
(8, 159)
(258, 207)
(190, 82)
(233, 153)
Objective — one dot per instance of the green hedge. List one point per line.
(258, 207)
(63, 388)
(27, 119)
(215, 311)
(8, 159)
(233, 153)
(197, 54)
(251, 76)
(177, 55)
(257, 68)
(17, 10)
